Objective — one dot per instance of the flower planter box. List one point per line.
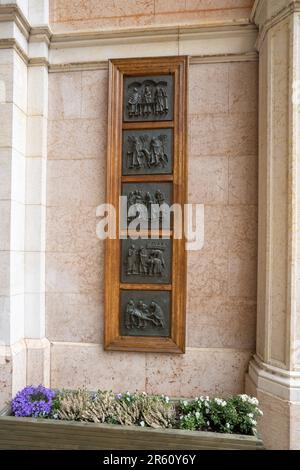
(39, 433)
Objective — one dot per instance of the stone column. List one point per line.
(13, 121)
(24, 351)
(38, 347)
(274, 372)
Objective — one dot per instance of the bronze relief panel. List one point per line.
(145, 313)
(148, 98)
(147, 202)
(148, 151)
(146, 261)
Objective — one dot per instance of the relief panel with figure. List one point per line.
(146, 261)
(148, 98)
(148, 151)
(147, 202)
(145, 313)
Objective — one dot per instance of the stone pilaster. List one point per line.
(38, 350)
(274, 372)
(23, 133)
(13, 122)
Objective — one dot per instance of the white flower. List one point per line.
(142, 423)
(250, 415)
(197, 414)
(227, 425)
(253, 422)
(167, 399)
(207, 410)
(185, 403)
(251, 400)
(220, 402)
(260, 412)
(244, 397)
(208, 423)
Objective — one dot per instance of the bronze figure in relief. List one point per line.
(147, 99)
(139, 314)
(145, 313)
(146, 204)
(147, 261)
(143, 152)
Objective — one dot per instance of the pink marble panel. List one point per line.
(87, 365)
(219, 322)
(208, 180)
(243, 180)
(75, 183)
(75, 272)
(76, 138)
(208, 88)
(223, 134)
(198, 372)
(75, 317)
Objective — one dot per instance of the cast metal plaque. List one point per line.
(148, 151)
(146, 261)
(145, 313)
(147, 202)
(148, 98)
(145, 291)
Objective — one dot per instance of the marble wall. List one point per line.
(221, 308)
(111, 14)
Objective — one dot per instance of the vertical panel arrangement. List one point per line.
(145, 283)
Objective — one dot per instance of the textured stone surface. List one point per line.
(75, 184)
(233, 134)
(109, 14)
(82, 319)
(38, 362)
(220, 322)
(295, 426)
(74, 272)
(275, 425)
(198, 372)
(76, 138)
(77, 365)
(74, 365)
(5, 378)
(243, 176)
(208, 90)
(208, 180)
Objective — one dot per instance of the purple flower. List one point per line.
(33, 401)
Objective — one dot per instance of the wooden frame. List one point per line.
(178, 67)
